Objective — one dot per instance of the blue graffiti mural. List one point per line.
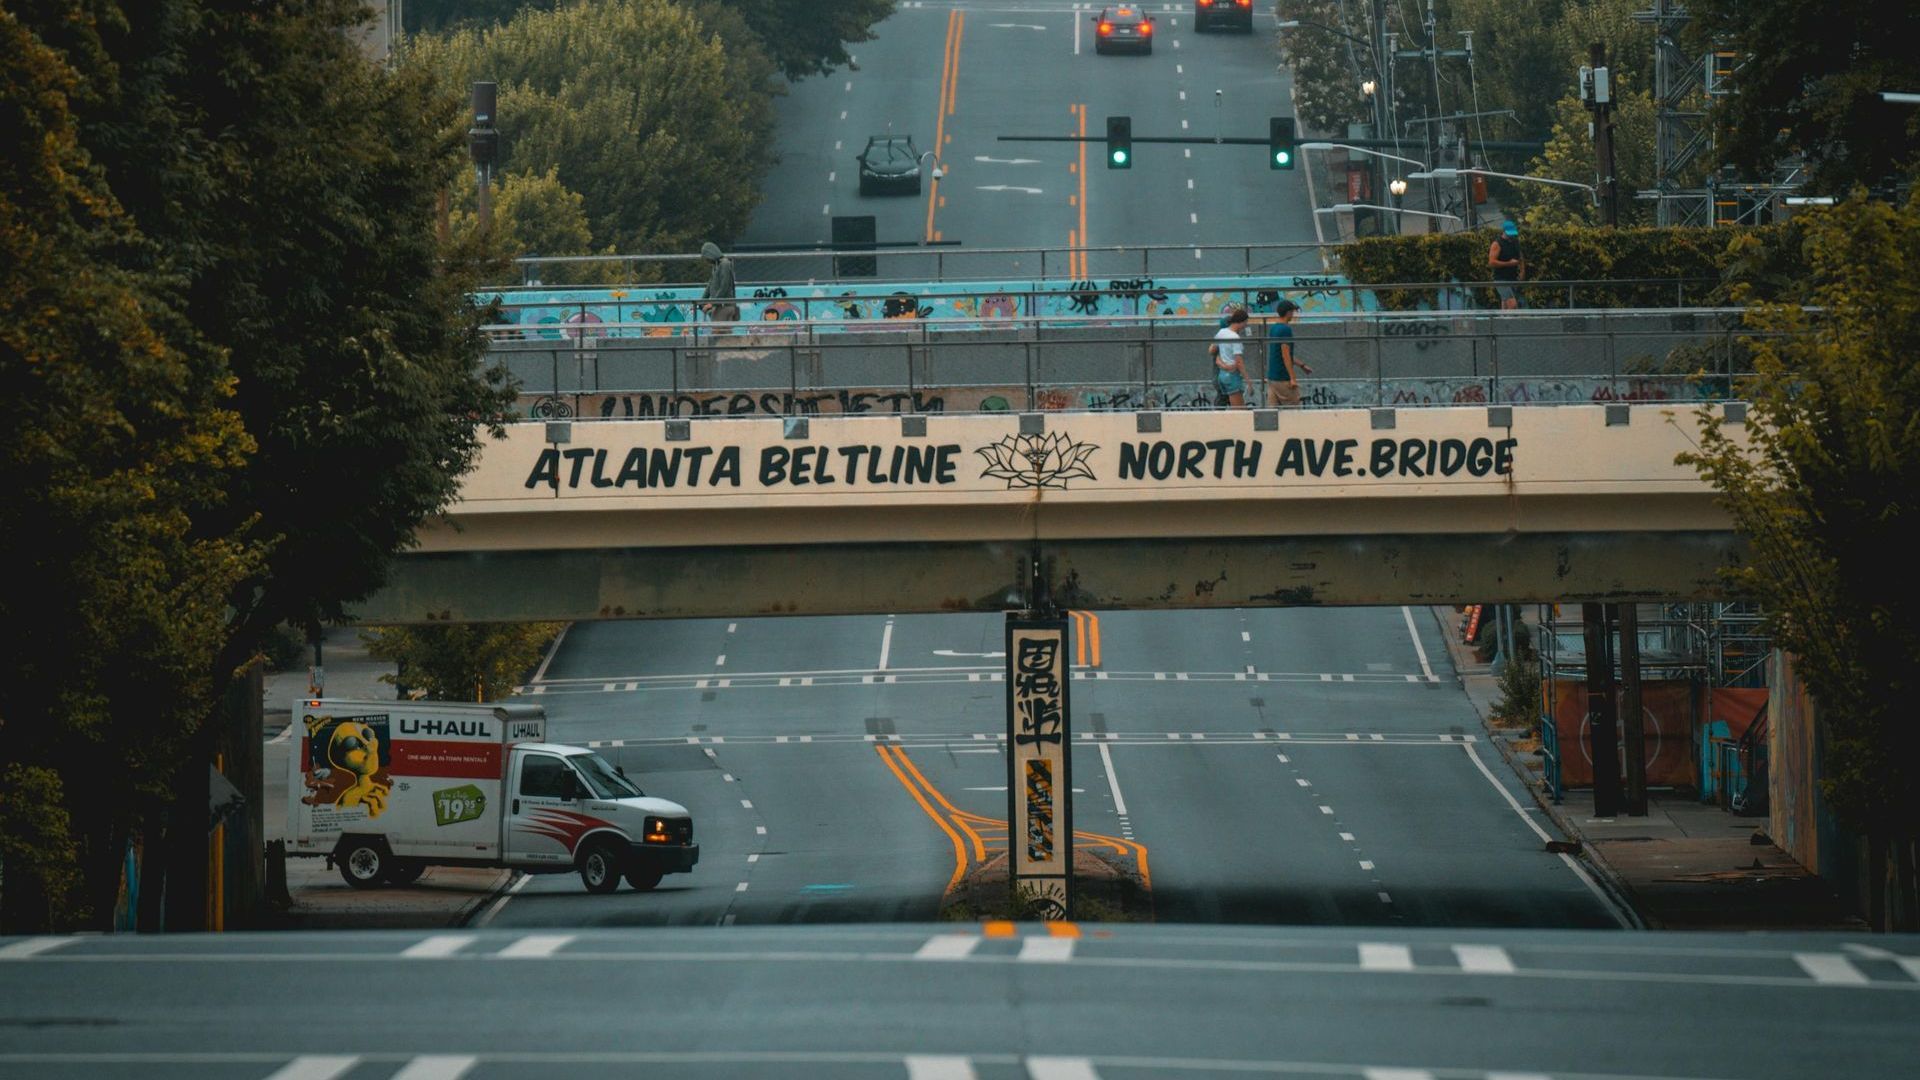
(576, 314)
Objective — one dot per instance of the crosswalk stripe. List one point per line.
(437, 945)
(315, 1067)
(1377, 957)
(1060, 1068)
(536, 946)
(948, 947)
(437, 1067)
(1483, 959)
(1047, 950)
(1832, 969)
(33, 946)
(939, 1067)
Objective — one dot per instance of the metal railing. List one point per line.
(1123, 364)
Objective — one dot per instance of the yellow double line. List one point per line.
(974, 836)
(1086, 638)
(949, 91)
(1077, 260)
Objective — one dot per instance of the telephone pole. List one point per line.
(1596, 89)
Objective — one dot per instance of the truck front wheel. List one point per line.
(600, 867)
(643, 880)
(363, 864)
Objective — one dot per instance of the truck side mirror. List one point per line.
(621, 770)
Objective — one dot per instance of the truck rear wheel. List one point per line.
(363, 864)
(600, 867)
(643, 880)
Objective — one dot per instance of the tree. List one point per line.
(1327, 68)
(120, 436)
(652, 120)
(809, 37)
(292, 186)
(1808, 83)
(1822, 486)
(535, 214)
(461, 661)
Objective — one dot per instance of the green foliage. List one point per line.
(1809, 82)
(1559, 253)
(38, 855)
(1327, 68)
(461, 661)
(1821, 482)
(535, 214)
(119, 441)
(1520, 703)
(661, 128)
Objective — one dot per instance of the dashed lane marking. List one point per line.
(1830, 968)
(33, 946)
(437, 1067)
(1483, 959)
(1046, 950)
(316, 1067)
(948, 947)
(1375, 956)
(535, 947)
(436, 946)
(1061, 1068)
(939, 1067)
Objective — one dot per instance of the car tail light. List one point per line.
(1146, 28)
(1106, 28)
(1246, 3)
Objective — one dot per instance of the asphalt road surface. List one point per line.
(958, 1002)
(958, 75)
(1289, 766)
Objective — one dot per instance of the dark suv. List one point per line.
(1236, 14)
(1122, 29)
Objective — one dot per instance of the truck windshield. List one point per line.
(600, 776)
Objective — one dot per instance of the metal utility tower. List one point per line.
(1681, 133)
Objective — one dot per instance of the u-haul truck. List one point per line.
(385, 789)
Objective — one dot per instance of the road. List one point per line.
(948, 1002)
(1297, 766)
(958, 75)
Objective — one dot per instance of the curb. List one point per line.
(1609, 879)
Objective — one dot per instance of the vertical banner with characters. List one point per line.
(347, 769)
(1040, 777)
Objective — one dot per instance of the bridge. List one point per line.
(856, 514)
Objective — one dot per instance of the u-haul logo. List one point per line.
(471, 728)
(526, 730)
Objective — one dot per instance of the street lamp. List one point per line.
(1295, 24)
(1368, 87)
(1455, 174)
(1398, 186)
(1359, 150)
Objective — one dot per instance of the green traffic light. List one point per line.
(1119, 157)
(1281, 157)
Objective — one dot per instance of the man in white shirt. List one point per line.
(1229, 371)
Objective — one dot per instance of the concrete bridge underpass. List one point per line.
(1221, 508)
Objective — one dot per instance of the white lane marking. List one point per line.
(487, 915)
(1379, 1073)
(1284, 759)
(1244, 636)
(1831, 969)
(34, 946)
(1183, 125)
(849, 85)
(553, 650)
(1183, 95)
(732, 626)
(1366, 864)
(754, 858)
(1304, 783)
(836, 144)
(948, 947)
(1377, 957)
(886, 645)
(1179, 69)
(939, 1067)
(727, 776)
(825, 209)
(437, 1067)
(1483, 959)
(1385, 899)
(843, 114)
(1517, 1076)
(832, 175)
(1351, 737)
(1347, 836)
(1060, 1068)
(609, 688)
(287, 731)
(746, 804)
(1346, 678)
(535, 946)
(1326, 809)
(1188, 152)
(437, 945)
(1113, 780)
(720, 661)
(1418, 648)
(727, 919)
(742, 887)
(759, 830)
(1046, 950)
(315, 1067)
(1193, 218)
(1326, 678)
(1579, 871)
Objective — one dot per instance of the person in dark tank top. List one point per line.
(1508, 263)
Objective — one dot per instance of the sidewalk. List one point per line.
(444, 895)
(1687, 865)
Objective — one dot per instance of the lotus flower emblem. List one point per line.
(1037, 461)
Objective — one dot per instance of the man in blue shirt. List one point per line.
(1282, 387)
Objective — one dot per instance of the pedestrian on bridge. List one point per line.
(1229, 372)
(1509, 264)
(1283, 386)
(719, 286)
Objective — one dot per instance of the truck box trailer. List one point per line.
(385, 789)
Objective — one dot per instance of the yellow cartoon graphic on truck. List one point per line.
(347, 760)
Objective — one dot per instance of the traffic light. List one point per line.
(1119, 142)
(1280, 146)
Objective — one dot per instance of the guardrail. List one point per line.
(789, 369)
(1550, 754)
